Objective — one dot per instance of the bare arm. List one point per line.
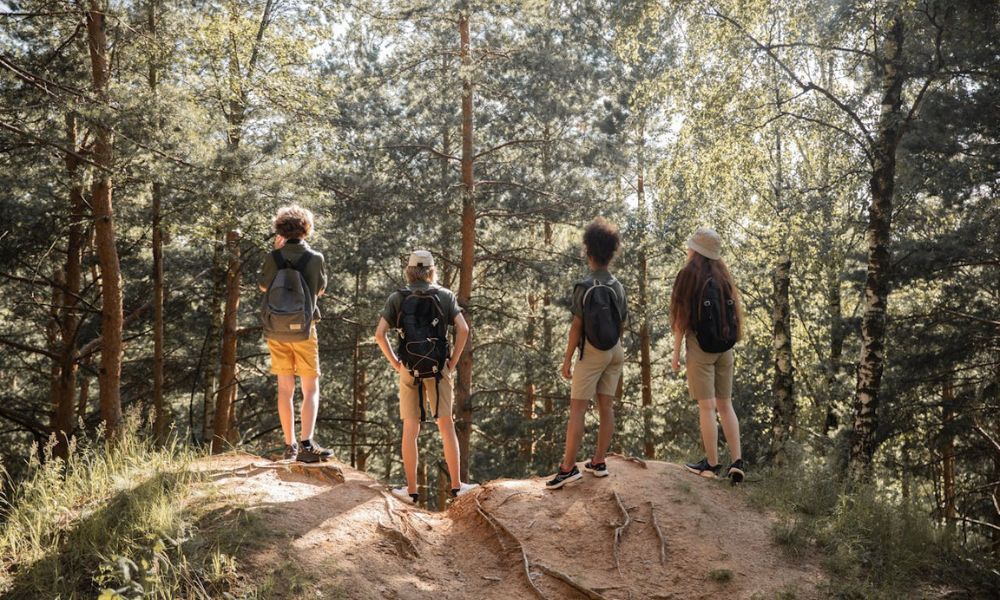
(461, 336)
(382, 340)
(575, 331)
(676, 362)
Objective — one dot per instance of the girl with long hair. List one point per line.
(706, 314)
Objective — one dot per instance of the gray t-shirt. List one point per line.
(445, 296)
(605, 277)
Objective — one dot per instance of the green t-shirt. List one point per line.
(605, 277)
(315, 273)
(449, 304)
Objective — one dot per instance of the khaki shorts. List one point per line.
(709, 374)
(598, 372)
(295, 358)
(409, 397)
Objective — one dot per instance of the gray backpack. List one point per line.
(286, 312)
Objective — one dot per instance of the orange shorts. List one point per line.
(295, 358)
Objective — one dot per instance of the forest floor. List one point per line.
(645, 531)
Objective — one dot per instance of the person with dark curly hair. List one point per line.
(600, 310)
(296, 357)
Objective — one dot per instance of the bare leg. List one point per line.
(606, 408)
(574, 432)
(411, 429)
(446, 425)
(286, 408)
(731, 427)
(709, 430)
(310, 405)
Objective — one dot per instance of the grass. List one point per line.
(720, 575)
(871, 546)
(114, 521)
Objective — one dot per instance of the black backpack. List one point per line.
(602, 320)
(287, 310)
(423, 339)
(716, 325)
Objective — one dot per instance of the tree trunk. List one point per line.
(64, 419)
(783, 417)
(948, 452)
(645, 360)
(109, 374)
(359, 385)
(528, 407)
(876, 291)
(208, 382)
(227, 368)
(463, 391)
(159, 414)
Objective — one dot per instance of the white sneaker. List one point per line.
(465, 489)
(403, 494)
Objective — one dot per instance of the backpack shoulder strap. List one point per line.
(279, 258)
(300, 264)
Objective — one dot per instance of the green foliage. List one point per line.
(116, 519)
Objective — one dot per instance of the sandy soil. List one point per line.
(340, 535)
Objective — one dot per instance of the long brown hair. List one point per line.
(690, 284)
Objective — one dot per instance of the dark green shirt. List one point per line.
(445, 296)
(315, 273)
(605, 277)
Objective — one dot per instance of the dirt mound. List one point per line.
(647, 531)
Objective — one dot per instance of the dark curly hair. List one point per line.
(601, 241)
(293, 222)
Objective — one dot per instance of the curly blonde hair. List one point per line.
(293, 222)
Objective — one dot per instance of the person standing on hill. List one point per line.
(292, 279)
(420, 315)
(600, 310)
(706, 313)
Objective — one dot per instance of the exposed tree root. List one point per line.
(632, 459)
(620, 531)
(509, 496)
(576, 585)
(502, 530)
(403, 544)
(659, 534)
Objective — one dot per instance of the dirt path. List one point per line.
(335, 533)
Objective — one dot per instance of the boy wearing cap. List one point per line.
(420, 394)
(292, 225)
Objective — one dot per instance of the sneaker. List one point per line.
(291, 452)
(704, 469)
(465, 489)
(737, 471)
(310, 452)
(563, 477)
(403, 494)
(598, 469)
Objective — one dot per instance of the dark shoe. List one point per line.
(737, 471)
(312, 452)
(563, 477)
(598, 470)
(704, 469)
(291, 452)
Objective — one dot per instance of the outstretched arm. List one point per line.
(461, 336)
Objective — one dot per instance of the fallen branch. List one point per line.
(620, 531)
(632, 459)
(659, 534)
(501, 530)
(576, 585)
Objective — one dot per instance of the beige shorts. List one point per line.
(709, 374)
(409, 397)
(598, 372)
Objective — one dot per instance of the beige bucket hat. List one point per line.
(706, 242)
(420, 258)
